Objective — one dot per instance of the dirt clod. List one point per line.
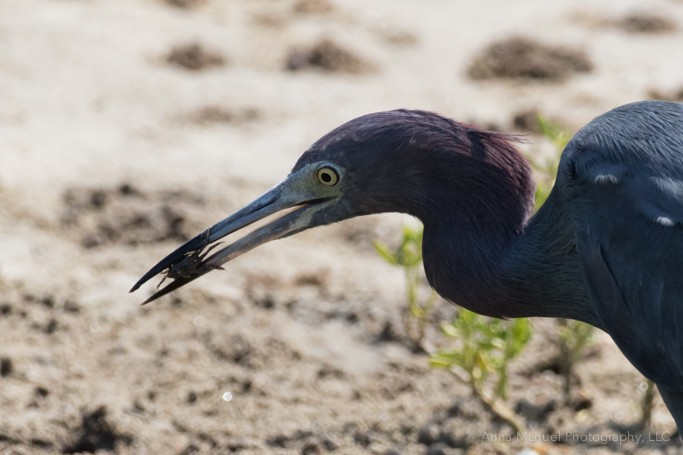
(96, 433)
(194, 57)
(51, 326)
(526, 120)
(185, 4)
(388, 334)
(309, 442)
(312, 7)
(524, 59)
(41, 391)
(533, 411)
(327, 56)
(581, 402)
(312, 279)
(216, 115)
(672, 95)
(6, 366)
(645, 23)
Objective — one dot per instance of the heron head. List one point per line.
(390, 161)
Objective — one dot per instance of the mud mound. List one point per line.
(673, 95)
(645, 23)
(526, 60)
(327, 56)
(96, 433)
(216, 115)
(312, 7)
(126, 215)
(526, 120)
(194, 57)
(185, 4)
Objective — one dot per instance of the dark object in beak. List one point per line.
(192, 260)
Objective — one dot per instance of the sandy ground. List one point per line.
(113, 152)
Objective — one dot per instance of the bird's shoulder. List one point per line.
(634, 152)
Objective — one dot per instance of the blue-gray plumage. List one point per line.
(606, 247)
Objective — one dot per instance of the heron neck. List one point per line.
(506, 270)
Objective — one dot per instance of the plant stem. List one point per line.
(646, 405)
(566, 359)
(498, 409)
(494, 406)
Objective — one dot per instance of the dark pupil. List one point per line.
(326, 177)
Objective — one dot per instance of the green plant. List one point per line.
(573, 339)
(546, 168)
(485, 346)
(647, 403)
(553, 132)
(408, 256)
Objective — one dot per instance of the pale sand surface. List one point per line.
(88, 105)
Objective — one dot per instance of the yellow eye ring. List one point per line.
(327, 176)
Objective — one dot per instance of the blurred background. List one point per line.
(128, 126)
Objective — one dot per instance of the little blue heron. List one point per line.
(606, 248)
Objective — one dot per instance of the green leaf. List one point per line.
(553, 131)
(384, 252)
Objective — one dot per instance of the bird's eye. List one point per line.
(327, 176)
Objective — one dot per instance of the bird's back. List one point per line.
(622, 176)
